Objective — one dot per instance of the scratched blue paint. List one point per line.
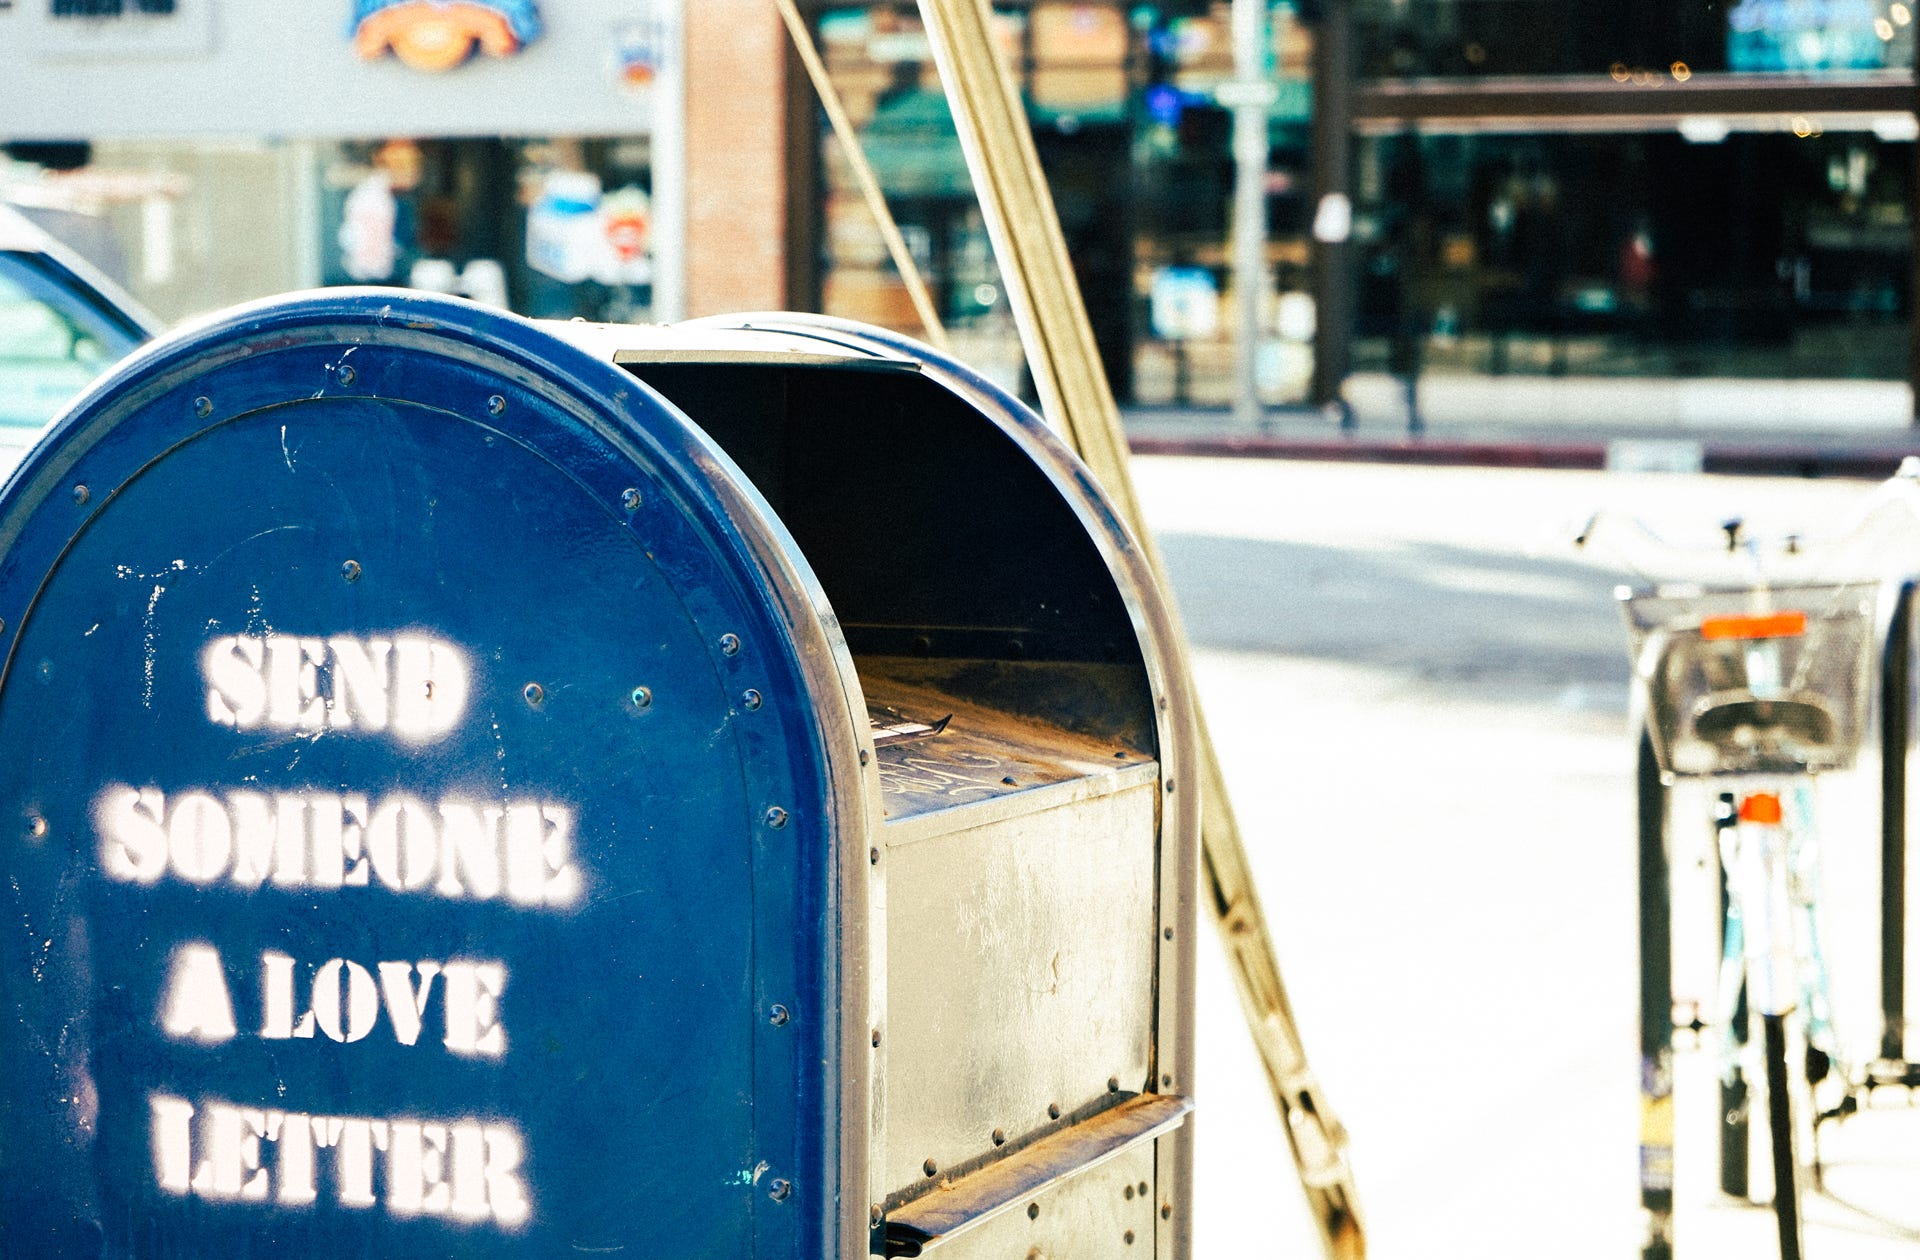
(471, 467)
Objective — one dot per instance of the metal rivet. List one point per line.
(1129, 1238)
(534, 693)
(729, 643)
(495, 404)
(1143, 1189)
(873, 1215)
(1166, 1211)
(776, 817)
(930, 1168)
(1113, 1084)
(873, 857)
(1169, 787)
(1033, 1211)
(1007, 779)
(350, 570)
(641, 697)
(203, 407)
(37, 827)
(81, 494)
(749, 699)
(778, 1015)
(1166, 1082)
(630, 499)
(876, 1039)
(347, 375)
(863, 757)
(1053, 1111)
(1127, 1192)
(999, 1137)
(779, 1189)
(1166, 933)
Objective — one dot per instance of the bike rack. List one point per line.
(1656, 1005)
(1896, 732)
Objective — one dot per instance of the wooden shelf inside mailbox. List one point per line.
(938, 752)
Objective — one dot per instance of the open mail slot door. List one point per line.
(478, 787)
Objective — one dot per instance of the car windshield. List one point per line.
(54, 339)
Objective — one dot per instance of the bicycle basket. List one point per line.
(1754, 680)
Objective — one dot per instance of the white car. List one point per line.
(61, 324)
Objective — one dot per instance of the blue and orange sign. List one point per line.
(436, 35)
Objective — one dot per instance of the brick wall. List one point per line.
(749, 161)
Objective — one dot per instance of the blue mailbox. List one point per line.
(474, 787)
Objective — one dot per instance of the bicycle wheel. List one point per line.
(1786, 1164)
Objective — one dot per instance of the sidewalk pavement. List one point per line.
(1780, 428)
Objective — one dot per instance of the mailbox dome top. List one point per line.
(391, 643)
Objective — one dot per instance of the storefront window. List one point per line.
(553, 228)
(882, 65)
(1451, 38)
(1138, 158)
(1185, 172)
(1762, 255)
(548, 227)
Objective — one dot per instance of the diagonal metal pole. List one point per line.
(863, 174)
(1075, 397)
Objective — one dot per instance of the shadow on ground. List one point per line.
(1454, 617)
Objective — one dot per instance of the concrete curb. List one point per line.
(1874, 462)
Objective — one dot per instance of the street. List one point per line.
(1419, 692)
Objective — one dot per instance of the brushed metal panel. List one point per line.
(1105, 1213)
(1020, 979)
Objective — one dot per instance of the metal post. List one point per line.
(1656, 1008)
(669, 148)
(1333, 207)
(1251, 98)
(1896, 733)
(1913, 274)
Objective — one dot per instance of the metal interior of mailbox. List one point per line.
(896, 640)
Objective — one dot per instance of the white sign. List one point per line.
(412, 688)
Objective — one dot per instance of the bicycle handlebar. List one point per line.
(1855, 549)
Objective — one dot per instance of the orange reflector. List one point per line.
(1774, 625)
(1761, 807)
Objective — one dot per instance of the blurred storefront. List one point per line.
(1125, 104)
(1633, 187)
(493, 148)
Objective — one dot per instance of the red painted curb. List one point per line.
(1404, 451)
(1766, 461)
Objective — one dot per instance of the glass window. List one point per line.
(53, 341)
(1138, 156)
(553, 227)
(1423, 38)
(1762, 255)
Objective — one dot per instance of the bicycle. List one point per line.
(1761, 687)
